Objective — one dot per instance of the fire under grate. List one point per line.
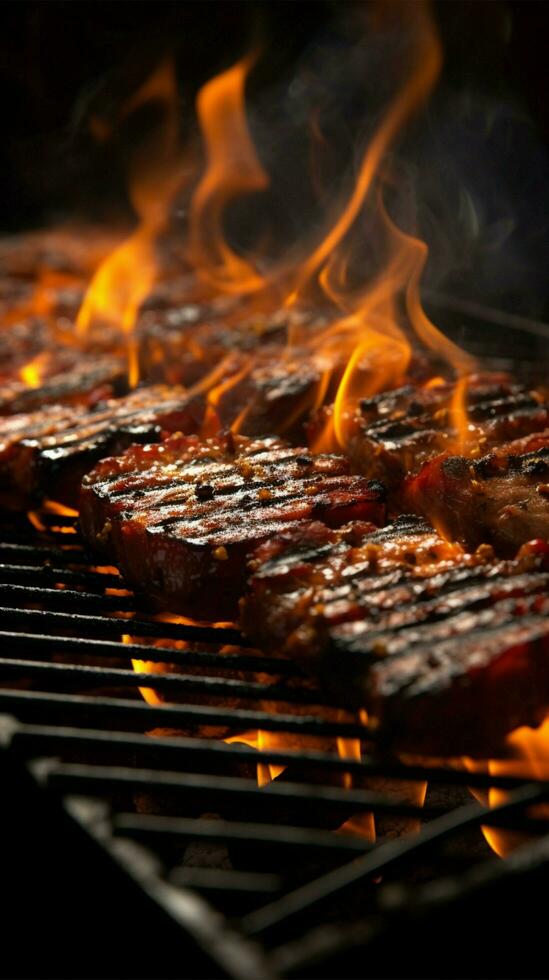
(180, 808)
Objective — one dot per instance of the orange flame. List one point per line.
(428, 61)
(125, 278)
(147, 667)
(528, 759)
(52, 507)
(232, 169)
(32, 374)
(361, 824)
(261, 741)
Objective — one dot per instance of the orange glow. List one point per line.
(125, 278)
(147, 667)
(425, 71)
(52, 507)
(528, 759)
(361, 824)
(458, 414)
(32, 374)
(216, 394)
(261, 741)
(375, 334)
(232, 169)
(34, 518)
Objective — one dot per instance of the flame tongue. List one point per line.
(125, 278)
(528, 759)
(233, 169)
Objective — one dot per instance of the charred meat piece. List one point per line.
(187, 342)
(182, 517)
(392, 434)
(46, 453)
(67, 377)
(501, 498)
(447, 651)
(305, 581)
(279, 391)
(462, 685)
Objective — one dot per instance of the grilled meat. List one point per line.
(444, 649)
(182, 517)
(394, 433)
(46, 453)
(185, 343)
(68, 377)
(501, 498)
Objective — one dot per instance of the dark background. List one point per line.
(478, 155)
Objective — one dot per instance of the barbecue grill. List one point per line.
(147, 829)
(200, 870)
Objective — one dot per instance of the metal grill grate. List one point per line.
(269, 858)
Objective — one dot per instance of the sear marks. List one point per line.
(445, 649)
(46, 453)
(182, 517)
(501, 498)
(391, 435)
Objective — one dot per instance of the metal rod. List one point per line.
(39, 574)
(153, 827)
(109, 625)
(314, 893)
(180, 750)
(177, 683)
(59, 708)
(97, 780)
(38, 643)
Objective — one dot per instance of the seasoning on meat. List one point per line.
(187, 545)
(392, 434)
(498, 499)
(46, 453)
(444, 649)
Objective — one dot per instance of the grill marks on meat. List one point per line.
(501, 498)
(394, 433)
(445, 650)
(46, 453)
(181, 518)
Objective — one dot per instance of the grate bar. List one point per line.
(149, 827)
(64, 708)
(310, 896)
(105, 626)
(177, 750)
(179, 684)
(71, 552)
(38, 574)
(225, 880)
(97, 780)
(41, 644)
(60, 598)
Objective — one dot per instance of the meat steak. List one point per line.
(182, 517)
(46, 453)
(447, 651)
